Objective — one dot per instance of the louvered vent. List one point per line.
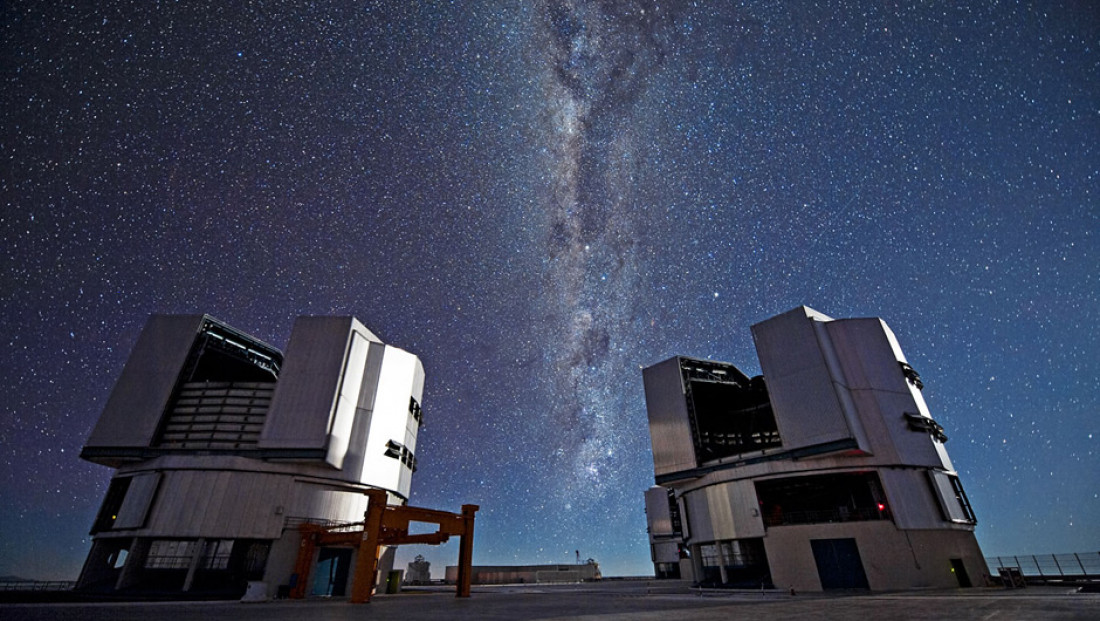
(217, 415)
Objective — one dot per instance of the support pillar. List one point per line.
(135, 560)
(196, 559)
(366, 562)
(696, 564)
(722, 560)
(384, 526)
(303, 566)
(466, 551)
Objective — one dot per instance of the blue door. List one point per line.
(838, 564)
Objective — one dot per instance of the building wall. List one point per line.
(527, 574)
(723, 511)
(892, 559)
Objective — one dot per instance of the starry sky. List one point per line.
(540, 197)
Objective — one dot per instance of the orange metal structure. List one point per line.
(386, 525)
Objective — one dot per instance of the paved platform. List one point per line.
(607, 601)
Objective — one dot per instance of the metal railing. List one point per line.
(1042, 568)
(291, 522)
(36, 585)
(825, 516)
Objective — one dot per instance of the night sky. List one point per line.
(538, 199)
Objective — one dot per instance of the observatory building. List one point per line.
(826, 473)
(223, 445)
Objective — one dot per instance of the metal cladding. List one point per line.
(830, 454)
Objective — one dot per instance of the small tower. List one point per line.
(419, 571)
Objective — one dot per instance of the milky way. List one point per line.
(600, 56)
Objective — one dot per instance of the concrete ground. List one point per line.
(607, 601)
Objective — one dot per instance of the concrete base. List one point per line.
(892, 559)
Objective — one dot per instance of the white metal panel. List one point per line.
(222, 493)
(220, 504)
(800, 384)
(139, 497)
(353, 461)
(841, 386)
(185, 486)
(745, 509)
(870, 357)
(946, 493)
(733, 510)
(343, 418)
(913, 447)
(132, 413)
(698, 516)
(252, 498)
(658, 517)
(878, 430)
(872, 361)
(412, 426)
(911, 498)
(323, 502)
(721, 511)
(665, 552)
(669, 427)
(303, 403)
(396, 380)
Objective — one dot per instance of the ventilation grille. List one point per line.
(217, 415)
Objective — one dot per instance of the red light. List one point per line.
(881, 507)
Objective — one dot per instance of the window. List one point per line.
(256, 559)
(665, 571)
(399, 451)
(217, 552)
(735, 562)
(817, 499)
(170, 554)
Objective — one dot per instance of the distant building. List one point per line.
(826, 473)
(530, 574)
(223, 445)
(419, 572)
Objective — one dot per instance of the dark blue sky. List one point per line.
(538, 198)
